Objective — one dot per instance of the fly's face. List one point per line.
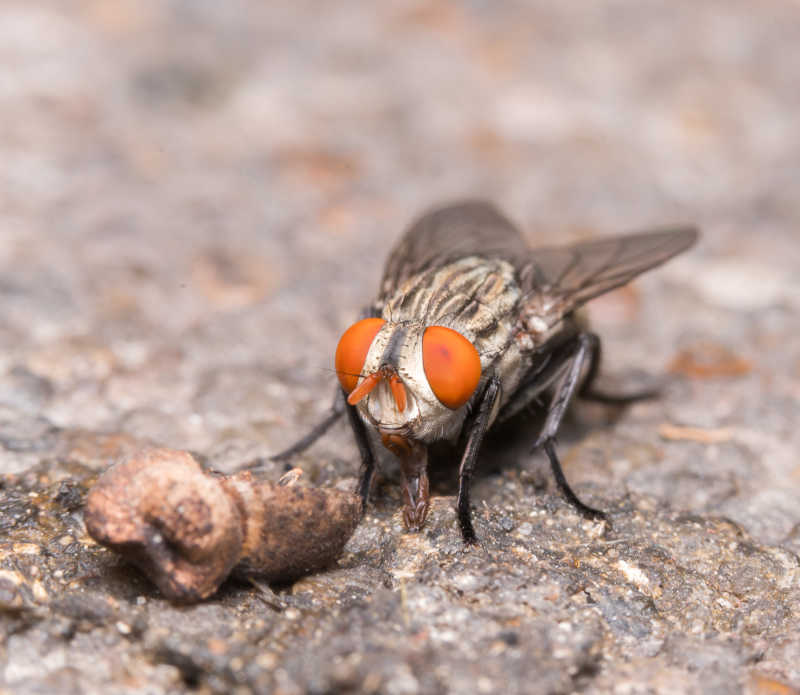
(407, 379)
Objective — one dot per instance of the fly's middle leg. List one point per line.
(336, 411)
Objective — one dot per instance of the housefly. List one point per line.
(470, 326)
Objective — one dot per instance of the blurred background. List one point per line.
(166, 163)
(196, 197)
(193, 185)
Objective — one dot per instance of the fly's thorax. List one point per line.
(477, 297)
(473, 290)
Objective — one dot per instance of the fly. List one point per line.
(469, 327)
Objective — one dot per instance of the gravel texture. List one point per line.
(197, 197)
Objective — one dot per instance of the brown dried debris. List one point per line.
(695, 434)
(708, 360)
(187, 529)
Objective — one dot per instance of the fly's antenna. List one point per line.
(360, 375)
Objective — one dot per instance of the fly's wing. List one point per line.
(443, 235)
(558, 280)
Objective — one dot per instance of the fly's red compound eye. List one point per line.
(451, 364)
(352, 351)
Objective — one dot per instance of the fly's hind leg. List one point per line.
(589, 392)
(574, 355)
(336, 411)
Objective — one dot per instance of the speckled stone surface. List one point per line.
(196, 198)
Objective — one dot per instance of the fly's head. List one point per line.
(407, 379)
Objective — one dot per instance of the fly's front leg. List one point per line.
(475, 429)
(365, 450)
(584, 347)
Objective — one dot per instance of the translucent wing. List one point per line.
(560, 279)
(557, 279)
(444, 235)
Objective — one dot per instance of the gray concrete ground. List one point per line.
(197, 197)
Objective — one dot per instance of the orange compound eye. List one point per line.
(352, 351)
(451, 364)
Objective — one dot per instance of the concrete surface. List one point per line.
(196, 198)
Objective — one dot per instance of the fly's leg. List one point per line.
(588, 392)
(583, 347)
(528, 391)
(475, 429)
(563, 485)
(339, 408)
(365, 450)
(336, 411)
